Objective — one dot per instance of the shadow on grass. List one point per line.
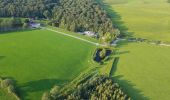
(39, 85)
(2, 57)
(116, 19)
(114, 66)
(129, 88)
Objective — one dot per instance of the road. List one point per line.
(93, 43)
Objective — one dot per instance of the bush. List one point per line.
(103, 53)
(46, 96)
(7, 82)
(11, 89)
(54, 91)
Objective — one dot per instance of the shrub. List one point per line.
(46, 96)
(103, 53)
(54, 91)
(5, 83)
(11, 89)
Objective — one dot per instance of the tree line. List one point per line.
(73, 15)
(95, 88)
(10, 24)
(25, 8)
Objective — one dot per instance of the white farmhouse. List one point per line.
(35, 25)
(89, 33)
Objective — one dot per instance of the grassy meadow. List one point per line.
(143, 71)
(39, 59)
(148, 19)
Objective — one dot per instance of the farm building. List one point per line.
(91, 34)
(35, 25)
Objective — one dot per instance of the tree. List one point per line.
(47, 14)
(102, 53)
(73, 26)
(46, 96)
(7, 82)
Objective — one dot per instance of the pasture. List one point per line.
(39, 59)
(143, 71)
(141, 18)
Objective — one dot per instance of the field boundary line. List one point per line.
(94, 43)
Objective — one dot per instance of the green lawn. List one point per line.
(38, 59)
(141, 18)
(143, 71)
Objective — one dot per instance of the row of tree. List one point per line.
(82, 15)
(95, 88)
(73, 15)
(10, 24)
(25, 8)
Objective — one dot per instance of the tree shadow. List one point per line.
(116, 19)
(114, 66)
(129, 88)
(2, 57)
(122, 52)
(39, 85)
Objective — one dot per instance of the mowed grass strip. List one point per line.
(142, 18)
(39, 59)
(143, 71)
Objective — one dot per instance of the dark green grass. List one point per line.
(38, 59)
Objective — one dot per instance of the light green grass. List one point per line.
(143, 71)
(143, 18)
(39, 59)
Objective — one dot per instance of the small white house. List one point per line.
(35, 25)
(89, 33)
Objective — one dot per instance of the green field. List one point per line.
(143, 71)
(39, 59)
(148, 19)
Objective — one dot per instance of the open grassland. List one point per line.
(39, 59)
(143, 71)
(148, 19)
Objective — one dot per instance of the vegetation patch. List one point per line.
(97, 87)
(102, 54)
(9, 85)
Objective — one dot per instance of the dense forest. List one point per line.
(25, 8)
(73, 15)
(95, 88)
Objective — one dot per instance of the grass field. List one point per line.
(141, 18)
(143, 71)
(39, 59)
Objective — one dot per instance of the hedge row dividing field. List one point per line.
(39, 59)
